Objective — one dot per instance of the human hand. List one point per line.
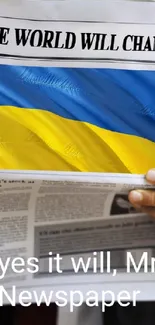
(145, 199)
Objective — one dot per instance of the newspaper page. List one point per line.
(70, 230)
(49, 222)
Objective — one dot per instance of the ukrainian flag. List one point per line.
(75, 119)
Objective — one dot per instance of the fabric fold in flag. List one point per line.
(77, 119)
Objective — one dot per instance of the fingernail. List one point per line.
(136, 196)
(151, 175)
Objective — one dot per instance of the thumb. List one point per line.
(150, 176)
(142, 198)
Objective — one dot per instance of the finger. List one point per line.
(150, 176)
(142, 198)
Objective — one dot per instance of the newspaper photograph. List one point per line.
(67, 160)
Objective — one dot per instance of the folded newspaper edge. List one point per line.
(118, 178)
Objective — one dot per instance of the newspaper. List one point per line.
(74, 215)
(50, 220)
